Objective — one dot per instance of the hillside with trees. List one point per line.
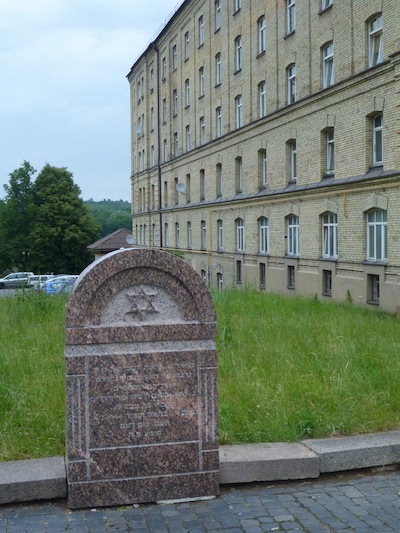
(110, 215)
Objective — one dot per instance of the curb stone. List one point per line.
(45, 479)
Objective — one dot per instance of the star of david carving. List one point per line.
(141, 304)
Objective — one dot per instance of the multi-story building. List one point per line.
(266, 145)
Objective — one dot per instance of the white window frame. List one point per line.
(218, 179)
(203, 235)
(174, 57)
(329, 236)
(164, 68)
(326, 4)
(375, 41)
(328, 74)
(262, 99)
(175, 100)
(238, 53)
(187, 45)
(330, 151)
(189, 235)
(377, 238)
(220, 235)
(237, 5)
(262, 35)
(239, 111)
(187, 137)
(291, 16)
(165, 150)
(262, 154)
(202, 125)
(218, 69)
(187, 92)
(176, 146)
(293, 236)
(166, 235)
(293, 161)
(239, 174)
(218, 122)
(220, 281)
(263, 229)
(217, 14)
(201, 82)
(164, 110)
(152, 119)
(177, 234)
(201, 30)
(291, 83)
(377, 140)
(240, 242)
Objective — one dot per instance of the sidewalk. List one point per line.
(45, 479)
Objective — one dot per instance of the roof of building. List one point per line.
(111, 242)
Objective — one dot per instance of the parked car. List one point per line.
(51, 286)
(41, 278)
(15, 279)
(65, 287)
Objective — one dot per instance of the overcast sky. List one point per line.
(64, 96)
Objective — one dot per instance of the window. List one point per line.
(237, 5)
(262, 167)
(238, 111)
(165, 193)
(201, 81)
(152, 119)
(293, 235)
(202, 130)
(176, 192)
(240, 235)
(217, 15)
(187, 93)
(201, 30)
(176, 149)
(329, 236)
(164, 68)
(330, 152)
(377, 235)
(327, 66)
(176, 234)
(292, 161)
(261, 35)
(165, 150)
(153, 234)
(151, 80)
(375, 41)
(188, 196)
(202, 185)
(153, 197)
(291, 15)
(373, 289)
(144, 235)
(203, 235)
(220, 281)
(291, 84)
(238, 53)
(220, 235)
(262, 99)
(262, 273)
(238, 175)
(327, 282)
(153, 155)
(238, 272)
(263, 228)
(175, 101)
(203, 274)
(326, 4)
(166, 236)
(377, 140)
(218, 122)
(218, 69)
(187, 136)
(291, 279)
(187, 46)
(189, 235)
(174, 57)
(218, 179)
(164, 110)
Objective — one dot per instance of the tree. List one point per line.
(63, 227)
(17, 214)
(110, 214)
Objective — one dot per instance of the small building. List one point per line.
(114, 241)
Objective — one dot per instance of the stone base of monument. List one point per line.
(141, 375)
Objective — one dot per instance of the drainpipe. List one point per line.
(159, 145)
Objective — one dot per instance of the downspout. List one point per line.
(159, 146)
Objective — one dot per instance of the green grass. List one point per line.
(289, 368)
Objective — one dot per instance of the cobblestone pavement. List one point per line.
(358, 502)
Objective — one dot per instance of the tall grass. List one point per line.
(289, 368)
(31, 376)
(293, 368)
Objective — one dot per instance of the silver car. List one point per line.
(16, 279)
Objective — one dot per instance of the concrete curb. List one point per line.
(45, 479)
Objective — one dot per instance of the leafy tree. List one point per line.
(63, 227)
(17, 214)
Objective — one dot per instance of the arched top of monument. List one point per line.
(139, 287)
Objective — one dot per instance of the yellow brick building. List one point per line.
(266, 145)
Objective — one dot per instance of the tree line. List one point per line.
(45, 226)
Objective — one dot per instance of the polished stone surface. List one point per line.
(141, 368)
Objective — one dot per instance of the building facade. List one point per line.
(266, 145)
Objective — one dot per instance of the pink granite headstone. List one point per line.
(141, 378)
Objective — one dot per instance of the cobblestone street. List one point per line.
(357, 502)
